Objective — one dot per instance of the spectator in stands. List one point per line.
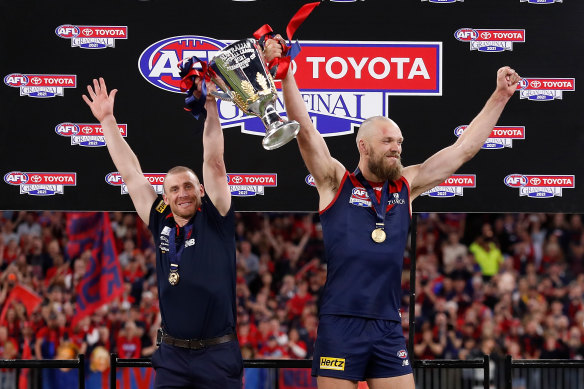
(128, 342)
(486, 252)
(452, 251)
(427, 346)
(249, 261)
(29, 226)
(298, 301)
(295, 348)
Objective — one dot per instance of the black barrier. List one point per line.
(78, 363)
(537, 373)
(440, 60)
(432, 377)
(572, 371)
(424, 365)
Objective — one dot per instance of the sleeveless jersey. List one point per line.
(364, 277)
(202, 304)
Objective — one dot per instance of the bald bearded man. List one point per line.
(365, 218)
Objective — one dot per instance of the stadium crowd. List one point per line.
(486, 284)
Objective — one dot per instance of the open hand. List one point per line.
(101, 104)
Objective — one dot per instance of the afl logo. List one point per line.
(515, 180)
(310, 180)
(114, 178)
(459, 130)
(360, 193)
(402, 354)
(16, 178)
(16, 80)
(67, 31)
(67, 129)
(158, 64)
(466, 34)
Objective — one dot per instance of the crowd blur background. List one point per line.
(493, 284)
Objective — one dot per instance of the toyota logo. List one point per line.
(486, 35)
(36, 80)
(535, 84)
(87, 130)
(536, 181)
(36, 178)
(87, 31)
(237, 180)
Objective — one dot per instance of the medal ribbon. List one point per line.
(174, 254)
(381, 207)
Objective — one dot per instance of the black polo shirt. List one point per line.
(202, 304)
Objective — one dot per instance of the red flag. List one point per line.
(22, 294)
(102, 281)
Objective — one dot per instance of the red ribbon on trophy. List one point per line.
(279, 66)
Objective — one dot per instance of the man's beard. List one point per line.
(378, 166)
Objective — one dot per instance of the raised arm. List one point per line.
(214, 171)
(102, 107)
(326, 170)
(445, 162)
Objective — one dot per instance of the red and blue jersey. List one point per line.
(364, 277)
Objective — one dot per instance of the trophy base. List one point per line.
(279, 133)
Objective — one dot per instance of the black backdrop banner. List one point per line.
(430, 65)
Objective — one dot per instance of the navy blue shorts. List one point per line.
(219, 366)
(356, 348)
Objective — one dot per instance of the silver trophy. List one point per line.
(241, 72)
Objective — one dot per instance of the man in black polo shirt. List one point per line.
(194, 231)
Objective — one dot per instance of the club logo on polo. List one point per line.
(545, 89)
(92, 37)
(86, 135)
(490, 40)
(540, 186)
(340, 88)
(250, 184)
(453, 186)
(309, 180)
(155, 179)
(41, 85)
(501, 136)
(41, 184)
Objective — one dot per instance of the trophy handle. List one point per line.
(221, 95)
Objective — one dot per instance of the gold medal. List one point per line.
(173, 278)
(378, 235)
